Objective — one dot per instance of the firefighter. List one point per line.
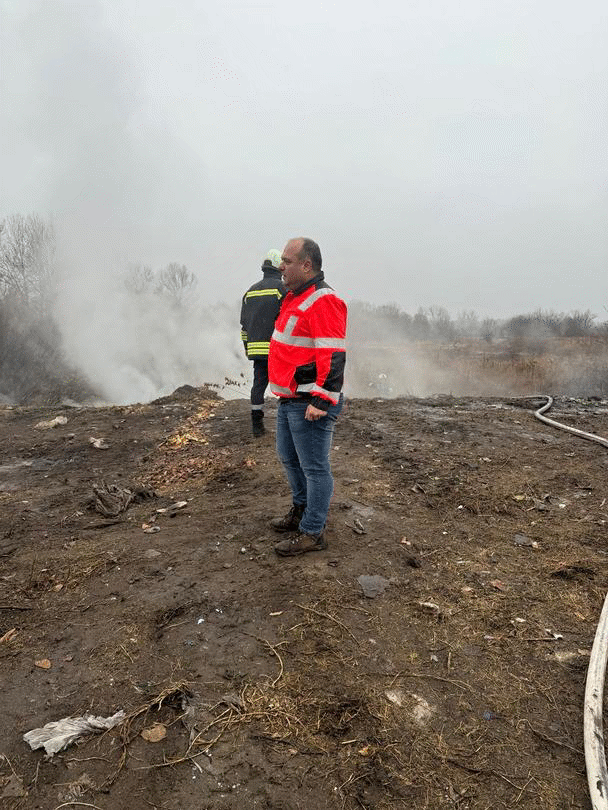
(306, 371)
(259, 309)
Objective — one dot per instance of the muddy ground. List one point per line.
(276, 683)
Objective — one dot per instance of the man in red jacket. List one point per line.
(306, 371)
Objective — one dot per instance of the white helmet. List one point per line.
(273, 257)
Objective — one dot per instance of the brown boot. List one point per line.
(300, 544)
(290, 521)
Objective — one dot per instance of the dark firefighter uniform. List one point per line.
(260, 307)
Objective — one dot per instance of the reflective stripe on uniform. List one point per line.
(315, 297)
(289, 339)
(258, 293)
(313, 388)
(278, 389)
(339, 344)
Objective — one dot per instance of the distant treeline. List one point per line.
(33, 366)
(370, 324)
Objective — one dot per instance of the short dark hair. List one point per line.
(310, 250)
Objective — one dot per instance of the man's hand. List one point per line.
(312, 413)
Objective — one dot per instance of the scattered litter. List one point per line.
(422, 711)
(43, 663)
(155, 733)
(431, 607)
(148, 529)
(372, 586)
(173, 507)
(568, 656)
(276, 613)
(9, 635)
(556, 636)
(396, 696)
(58, 420)
(100, 444)
(519, 497)
(57, 735)
(111, 500)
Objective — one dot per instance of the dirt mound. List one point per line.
(251, 681)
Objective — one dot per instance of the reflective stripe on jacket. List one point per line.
(259, 309)
(308, 345)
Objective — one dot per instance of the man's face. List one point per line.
(295, 270)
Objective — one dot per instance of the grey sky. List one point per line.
(442, 153)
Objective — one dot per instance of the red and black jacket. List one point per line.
(308, 346)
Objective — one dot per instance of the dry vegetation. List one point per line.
(276, 684)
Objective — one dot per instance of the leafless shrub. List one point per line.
(176, 281)
(27, 261)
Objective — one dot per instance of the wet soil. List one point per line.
(277, 683)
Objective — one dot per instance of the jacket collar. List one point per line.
(314, 280)
(271, 272)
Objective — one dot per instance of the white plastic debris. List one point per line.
(51, 423)
(100, 444)
(57, 735)
(431, 607)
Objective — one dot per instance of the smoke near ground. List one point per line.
(107, 176)
(96, 97)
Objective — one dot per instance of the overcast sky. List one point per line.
(441, 153)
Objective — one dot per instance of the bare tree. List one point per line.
(176, 281)
(139, 278)
(27, 259)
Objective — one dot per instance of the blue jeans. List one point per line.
(303, 448)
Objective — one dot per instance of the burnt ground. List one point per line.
(276, 683)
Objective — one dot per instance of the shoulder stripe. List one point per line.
(258, 293)
(314, 297)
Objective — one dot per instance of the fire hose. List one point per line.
(593, 726)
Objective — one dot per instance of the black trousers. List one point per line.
(260, 382)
